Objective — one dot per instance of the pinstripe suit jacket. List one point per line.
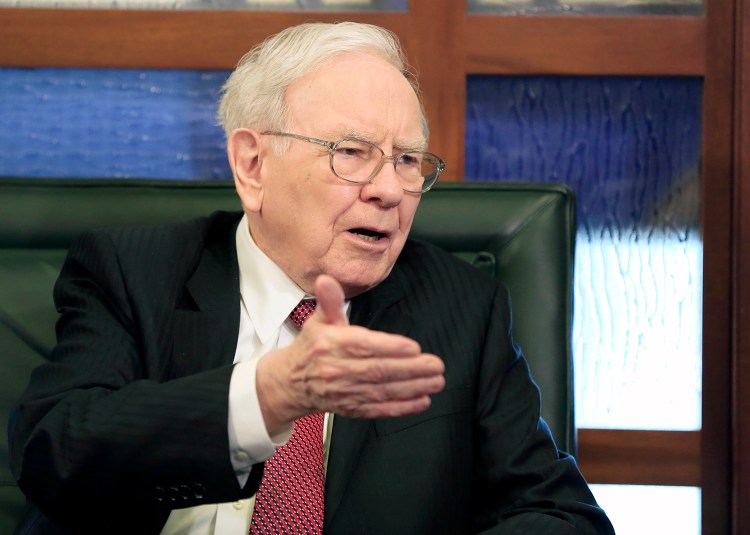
(129, 419)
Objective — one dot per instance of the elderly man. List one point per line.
(185, 395)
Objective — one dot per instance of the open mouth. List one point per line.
(367, 234)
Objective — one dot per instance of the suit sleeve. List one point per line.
(526, 485)
(103, 428)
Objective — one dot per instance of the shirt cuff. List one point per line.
(249, 441)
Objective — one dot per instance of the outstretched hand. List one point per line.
(352, 371)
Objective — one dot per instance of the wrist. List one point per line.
(277, 405)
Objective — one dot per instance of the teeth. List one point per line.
(367, 237)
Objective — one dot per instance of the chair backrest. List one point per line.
(521, 233)
(524, 234)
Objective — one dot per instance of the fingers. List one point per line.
(375, 386)
(330, 297)
(348, 385)
(357, 372)
(350, 392)
(347, 370)
(377, 400)
(379, 370)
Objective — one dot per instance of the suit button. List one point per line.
(239, 504)
(199, 491)
(185, 492)
(173, 494)
(241, 457)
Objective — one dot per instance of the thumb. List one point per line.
(330, 297)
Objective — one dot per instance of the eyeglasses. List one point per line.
(358, 161)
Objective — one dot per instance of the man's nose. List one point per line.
(386, 186)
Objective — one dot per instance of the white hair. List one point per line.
(254, 95)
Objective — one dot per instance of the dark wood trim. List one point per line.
(717, 267)
(217, 39)
(173, 39)
(434, 28)
(634, 457)
(741, 454)
(664, 46)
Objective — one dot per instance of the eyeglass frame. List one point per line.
(332, 145)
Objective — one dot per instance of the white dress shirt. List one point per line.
(268, 295)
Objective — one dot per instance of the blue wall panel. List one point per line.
(111, 123)
(630, 148)
(627, 146)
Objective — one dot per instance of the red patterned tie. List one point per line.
(290, 496)
(302, 311)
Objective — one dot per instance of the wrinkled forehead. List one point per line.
(358, 95)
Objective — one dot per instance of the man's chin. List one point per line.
(354, 286)
(354, 289)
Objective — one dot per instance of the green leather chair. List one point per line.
(521, 233)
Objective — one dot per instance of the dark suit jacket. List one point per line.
(129, 420)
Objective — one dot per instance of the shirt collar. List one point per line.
(268, 294)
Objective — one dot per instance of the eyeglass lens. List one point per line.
(357, 161)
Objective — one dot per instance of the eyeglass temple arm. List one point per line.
(327, 144)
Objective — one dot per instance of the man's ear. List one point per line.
(243, 150)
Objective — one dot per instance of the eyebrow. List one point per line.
(420, 144)
(399, 146)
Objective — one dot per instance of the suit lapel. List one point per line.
(206, 338)
(374, 310)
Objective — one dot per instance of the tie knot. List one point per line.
(302, 311)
